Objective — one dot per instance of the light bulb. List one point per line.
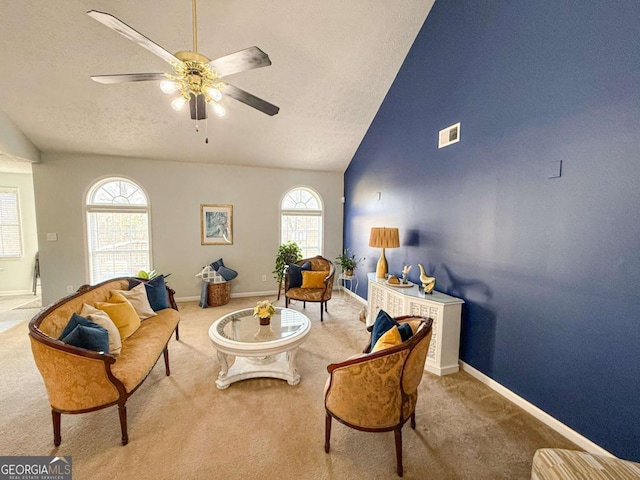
(215, 94)
(167, 86)
(219, 110)
(178, 103)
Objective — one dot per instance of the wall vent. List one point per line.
(449, 135)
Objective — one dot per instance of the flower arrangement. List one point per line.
(264, 311)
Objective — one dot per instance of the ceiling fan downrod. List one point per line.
(195, 26)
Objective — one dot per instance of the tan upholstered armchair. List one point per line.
(314, 286)
(377, 392)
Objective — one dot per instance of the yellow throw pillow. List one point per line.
(390, 338)
(122, 313)
(311, 279)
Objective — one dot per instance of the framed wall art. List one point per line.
(216, 224)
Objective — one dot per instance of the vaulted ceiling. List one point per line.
(333, 62)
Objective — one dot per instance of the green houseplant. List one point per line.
(288, 252)
(348, 262)
(151, 274)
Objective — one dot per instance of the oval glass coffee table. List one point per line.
(259, 351)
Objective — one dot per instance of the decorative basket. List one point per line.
(218, 294)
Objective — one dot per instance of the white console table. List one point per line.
(444, 309)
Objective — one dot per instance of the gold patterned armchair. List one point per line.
(377, 392)
(310, 280)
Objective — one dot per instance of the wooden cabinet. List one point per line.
(444, 309)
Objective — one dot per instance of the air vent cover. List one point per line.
(449, 135)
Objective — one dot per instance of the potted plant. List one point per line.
(288, 252)
(348, 262)
(151, 274)
(264, 310)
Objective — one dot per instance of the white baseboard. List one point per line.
(354, 295)
(561, 428)
(11, 293)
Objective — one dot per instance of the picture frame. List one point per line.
(216, 224)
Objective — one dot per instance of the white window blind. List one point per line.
(10, 228)
(117, 230)
(301, 221)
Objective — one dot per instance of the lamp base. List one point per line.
(381, 267)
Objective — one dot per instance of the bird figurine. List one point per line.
(428, 283)
(405, 273)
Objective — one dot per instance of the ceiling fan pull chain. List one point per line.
(196, 103)
(206, 129)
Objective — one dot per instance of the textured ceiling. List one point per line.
(333, 62)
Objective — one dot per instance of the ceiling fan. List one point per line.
(197, 79)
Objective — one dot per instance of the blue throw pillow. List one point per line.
(156, 292)
(383, 323)
(227, 273)
(405, 331)
(96, 339)
(295, 274)
(74, 321)
(82, 332)
(217, 264)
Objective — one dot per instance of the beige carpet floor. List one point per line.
(183, 427)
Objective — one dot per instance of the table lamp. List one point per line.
(382, 237)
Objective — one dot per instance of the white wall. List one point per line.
(16, 275)
(176, 190)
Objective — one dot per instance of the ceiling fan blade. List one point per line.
(128, 77)
(126, 31)
(241, 61)
(248, 99)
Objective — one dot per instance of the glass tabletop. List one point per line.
(243, 327)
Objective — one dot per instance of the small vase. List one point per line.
(265, 321)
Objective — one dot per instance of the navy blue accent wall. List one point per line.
(549, 268)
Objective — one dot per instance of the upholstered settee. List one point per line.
(78, 380)
(310, 280)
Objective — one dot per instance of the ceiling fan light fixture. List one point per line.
(219, 110)
(167, 86)
(215, 94)
(178, 103)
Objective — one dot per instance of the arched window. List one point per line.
(117, 229)
(301, 216)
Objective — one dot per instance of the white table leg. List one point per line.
(224, 369)
(293, 371)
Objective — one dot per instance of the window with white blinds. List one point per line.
(10, 228)
(301, 220)
(117, 229)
